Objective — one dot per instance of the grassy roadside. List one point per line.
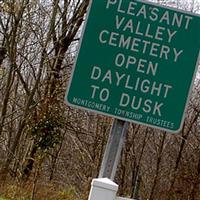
(16, 191)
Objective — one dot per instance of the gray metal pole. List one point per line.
(113, 149)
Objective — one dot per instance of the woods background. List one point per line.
(51, 151)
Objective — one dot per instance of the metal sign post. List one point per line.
(103, 188)
(113, 149)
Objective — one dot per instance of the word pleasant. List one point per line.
(149, 12)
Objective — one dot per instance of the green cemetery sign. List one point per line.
(136, 62)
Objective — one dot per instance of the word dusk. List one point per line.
(137, 63)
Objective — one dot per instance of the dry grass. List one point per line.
(15, 191)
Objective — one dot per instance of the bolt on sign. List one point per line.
(136, 62)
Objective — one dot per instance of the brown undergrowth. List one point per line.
(14, 190)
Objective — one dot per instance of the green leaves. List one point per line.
(1, 198)
(47, 133)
